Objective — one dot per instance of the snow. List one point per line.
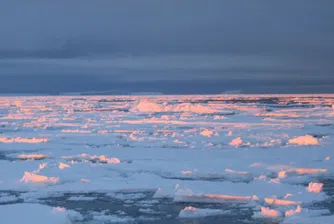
(192, 212)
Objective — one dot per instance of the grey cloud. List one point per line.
(71, 28)
(147, 40)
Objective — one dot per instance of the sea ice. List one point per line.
(184, 148)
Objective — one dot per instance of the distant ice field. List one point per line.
(167, 159)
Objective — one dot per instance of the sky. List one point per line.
(177, 47)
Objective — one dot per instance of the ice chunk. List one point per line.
(23, 140)
(236, 172)
(124, 197)
(148, 211)
(308, 170)
(304, 140)
(189, 107)
(70, 214)
(308, 216)
(83, 180)
(207, 133)
(81, 198)
(315, 187)
(236, 142)
(40, 167)
(267, 213)
(282, 174)
(147, 106)
(300, 171)
(113, 219)
(32, 156)
(93, 158)
(192, 212)
(59, 209)
(76, 131)
(228, 197)
(63, 166)
(105, 159)
(8, 198)
(288, 195)
(293, 211)
(281, 202)
(186, 172)
(31, 177)
(209, 198)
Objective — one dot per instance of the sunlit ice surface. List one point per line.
(167, 159)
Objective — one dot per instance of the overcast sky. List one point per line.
(173, 46)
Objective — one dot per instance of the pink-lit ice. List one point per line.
(240, 150)
(35, 178)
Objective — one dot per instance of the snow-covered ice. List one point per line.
(269, 153)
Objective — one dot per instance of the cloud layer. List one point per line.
(146, 41)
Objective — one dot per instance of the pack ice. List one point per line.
(270, 155)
